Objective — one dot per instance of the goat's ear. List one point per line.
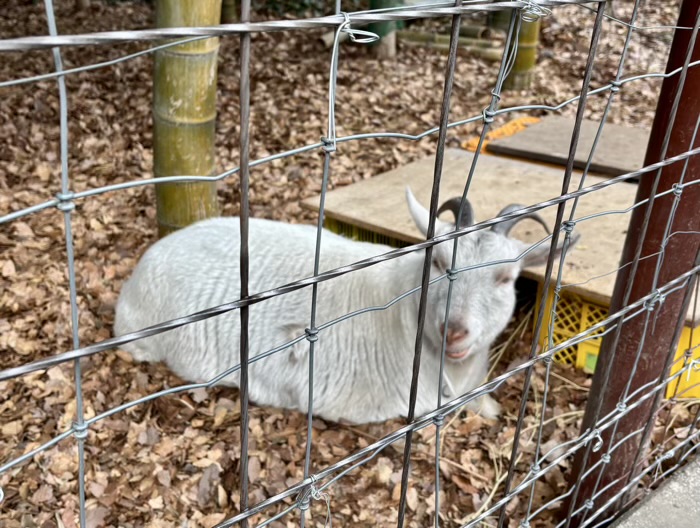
(421, 216)
(540, 255)
(442, 256)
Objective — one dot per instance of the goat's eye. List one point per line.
(439, 265)
(504, 279)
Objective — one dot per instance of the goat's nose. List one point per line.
(454, 332)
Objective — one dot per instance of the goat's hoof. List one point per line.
(487, 407)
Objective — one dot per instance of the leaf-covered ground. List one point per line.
(174, 461)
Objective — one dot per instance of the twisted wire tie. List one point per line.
(487, 115)
(65, 202)
(532, 11)
(657, 298)
(369, 36)
(311, 334)
(80, 430)
(329, 145)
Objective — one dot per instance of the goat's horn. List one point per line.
(505, 227)
(452, 205)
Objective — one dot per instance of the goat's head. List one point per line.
(483, 297)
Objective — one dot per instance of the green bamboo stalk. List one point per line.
(385, 47)
(184, 116)
(523, 71)
(229, 11)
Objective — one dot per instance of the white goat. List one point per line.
(362, 364)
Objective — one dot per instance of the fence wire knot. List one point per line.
(311, 334)
(487, 115)
(312, 492)
(535, 468)
(439, 420)
(657, 298)
(668, 454)
(621, 406)
(615, 86)
(598, 441)
(328, 144)
(451, 274)
(588, 504)
(368, 36)
(80, 430)
(568, 226)
(65, 202)
(677, 190)
(532, 11)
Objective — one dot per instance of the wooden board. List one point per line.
(620, 150)
(378, 205)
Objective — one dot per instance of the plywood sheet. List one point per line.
(378, 205)
(620, 150)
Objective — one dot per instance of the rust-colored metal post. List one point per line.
(619, 349)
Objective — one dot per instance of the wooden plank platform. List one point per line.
(379, 206)
(620, 150)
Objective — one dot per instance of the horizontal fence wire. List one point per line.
(600, 507)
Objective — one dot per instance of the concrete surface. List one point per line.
(676, 504)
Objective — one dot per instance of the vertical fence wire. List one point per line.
(659, 259)
(687, 359)
(677, 334)
(66, 205)
(608, 104)
(244, 252)
(427, 264)
(634, 265)
(597, 28)
(507, 60)
(569, 227)
(651, 422)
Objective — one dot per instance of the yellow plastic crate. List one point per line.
(575, 315)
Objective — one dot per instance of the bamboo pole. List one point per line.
(184, 115)
(229, 11)
(520, 77)
(385, 47)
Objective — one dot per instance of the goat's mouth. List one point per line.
(457, 353)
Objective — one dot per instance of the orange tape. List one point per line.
(509, 129)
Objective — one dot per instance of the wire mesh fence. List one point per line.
(421, 318)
